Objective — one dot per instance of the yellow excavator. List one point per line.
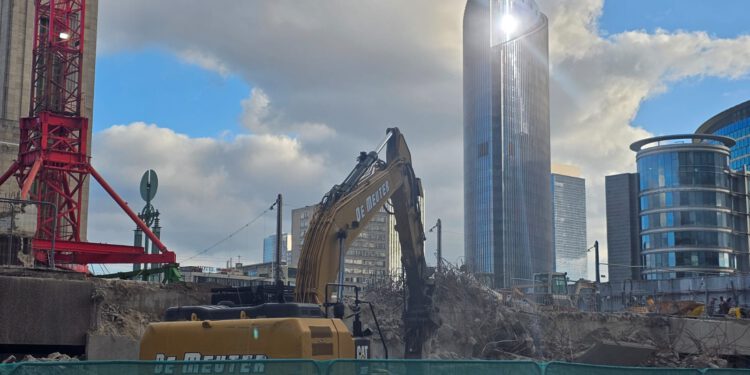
(304, 329)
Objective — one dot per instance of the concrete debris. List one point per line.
(612, 353)
(125, 308)
(478, 323)
(56, 356)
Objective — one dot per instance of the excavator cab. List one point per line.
(551, 289)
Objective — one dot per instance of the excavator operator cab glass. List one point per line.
(559, 285)
(541, 283)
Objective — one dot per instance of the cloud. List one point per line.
(207, 187)
(204, 61)
(599, 82)
(340, 72)
(259, 117)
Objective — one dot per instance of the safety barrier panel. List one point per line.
(567, 368)
(425, 367)
(341, 367)
(283, 367)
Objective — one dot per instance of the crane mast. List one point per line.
(53, 159)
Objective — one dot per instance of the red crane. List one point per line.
(53, 161)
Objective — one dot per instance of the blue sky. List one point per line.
(155, 86)
(312, 68)
(688, 103)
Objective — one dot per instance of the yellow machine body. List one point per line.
(339, 219)
(308, 338)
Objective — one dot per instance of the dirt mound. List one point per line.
(479, 323)
(125, 307)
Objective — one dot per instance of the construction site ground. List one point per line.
(81, 317)
(55, 311)
(477, 323)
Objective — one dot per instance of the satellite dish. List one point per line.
(149, 183)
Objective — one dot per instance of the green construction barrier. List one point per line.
(447, 367)
(283, 367)
(566, 368)
(340, 367)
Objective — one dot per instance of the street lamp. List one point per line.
(439, 227)
(596, 260)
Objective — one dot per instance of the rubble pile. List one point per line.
(125, 308)
(478, 323)
(56, 356)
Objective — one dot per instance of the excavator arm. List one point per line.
(343, 213)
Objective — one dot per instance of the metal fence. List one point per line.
(18, 225)
(349, 367)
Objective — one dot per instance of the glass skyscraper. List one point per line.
(569, 223)
(734, 123)
(692, 207)
(269, 248)
(507, 200)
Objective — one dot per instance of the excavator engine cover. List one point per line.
(266, 310)
(309, 338)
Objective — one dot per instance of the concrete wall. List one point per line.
(109, 347)
(107, 316)
(36, 311)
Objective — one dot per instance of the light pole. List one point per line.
(277, 273)
(596, 260)
(439, 227)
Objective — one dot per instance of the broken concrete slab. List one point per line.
(111, 347)
(613, 353)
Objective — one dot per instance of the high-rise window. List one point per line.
(507, 200)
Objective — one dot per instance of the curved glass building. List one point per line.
(733, 123)
(507, 196)
(687, 216)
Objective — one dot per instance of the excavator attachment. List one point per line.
(347, 208)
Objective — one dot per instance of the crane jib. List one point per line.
(374, 200)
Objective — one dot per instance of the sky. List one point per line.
(235, 102)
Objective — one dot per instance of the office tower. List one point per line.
(507, 200)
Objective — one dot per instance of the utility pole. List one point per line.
(277, 271)
(596, 262)
(278, 240)
(439, 227)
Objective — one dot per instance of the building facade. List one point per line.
(300, 222)
(734, 123)
(198, 275)
(507, 202)
(368, 258)
(623, 228)
(16, 47)
(569, 223)
(269, 248)
(267, 271)
(692, 207)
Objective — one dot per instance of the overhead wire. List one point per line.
(219, 242)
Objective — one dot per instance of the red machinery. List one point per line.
(53, 161)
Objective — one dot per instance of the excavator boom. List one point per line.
(343, 213)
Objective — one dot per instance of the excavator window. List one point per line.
(559, 285)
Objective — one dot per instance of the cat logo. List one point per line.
(363, 352)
